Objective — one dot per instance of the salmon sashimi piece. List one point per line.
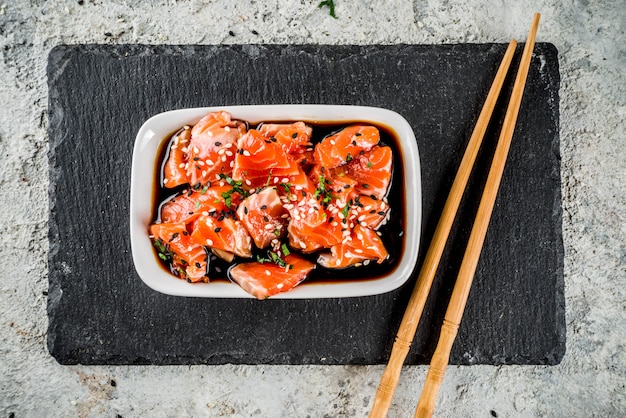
(362, 246)
(174, 172)
(192, 203)
(342, 147)
(373, 171)
(174, 244)
(212, 147)
(295, 137)
(311, 226)
(263, 216)
(370, 212)
(257, 155)
(263, 280)
(222, 232)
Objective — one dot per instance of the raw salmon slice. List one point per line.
(347, 144)
(369, 212)
(372, 170)
(312, 226)
(362, 246)
(192, 203)
(174, 172)
(222, 232)
(263, 280)
(257, 155)
(212, 147)
(262, 215)
(295, 137)
(174, 244)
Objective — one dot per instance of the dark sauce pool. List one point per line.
(392, 233)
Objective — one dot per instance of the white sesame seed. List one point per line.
(311, 210)
(248, 182)
(210, 133)
(371, 247)
(337, 262)
(184, 141)
(165, 181)
(340, 215)
(269, 226)
(228, 145)
(380, 234)
(209, 242)
(232, 164)
(302, 245)
(334, 223)
(201, 163)
(358, 265)
(267, 273)
(186, 127)
(358, 251)
(276, 180)
(246, 153)
(298, 187)
(284, 215)
(227, 128)
(181, 165)
(332, 142)
(361, 218)
(203, 173)
(366, 262)
(196, 150)
(293, 198)
(187, 166)
(285, 180)
(185, 150)
(229, 153)
(221, 152)
(222, 184)
(205, 213)
(359, 236)
(209, 162)
(224, 158)
(368, 207)
(174, 146)
(280, 285)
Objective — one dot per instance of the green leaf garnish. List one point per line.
(331, 7)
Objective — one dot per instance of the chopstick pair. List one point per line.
(454, 312)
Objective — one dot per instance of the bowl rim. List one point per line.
(154, 131)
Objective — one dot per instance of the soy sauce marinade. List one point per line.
(392, 233)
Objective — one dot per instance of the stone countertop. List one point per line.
(589, 381)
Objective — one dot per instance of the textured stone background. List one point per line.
(590, 381)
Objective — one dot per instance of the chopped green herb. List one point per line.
(348, 158)
(163, 250)
(285, 249)
(331, 7)
(369, 164)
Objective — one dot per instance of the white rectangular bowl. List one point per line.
(157, 129)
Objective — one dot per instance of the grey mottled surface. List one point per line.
(591, 379)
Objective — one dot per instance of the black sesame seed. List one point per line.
(365, 186)
(303, 193)
(263, 207)
(374, 197)
(196, 158)
(113, 383)
(185, 233)
(381, 213)
(353, 142)
(362, 152)
(294, 135)
(357, 134)
(188, 280)
(493, 413)
(198, 264)
(373, 211)
(245, 210)
(347, 186)
(231, 33)
(254, 32)
(45, 293)
(221, 218)
(272, 139)
(218, 229)
(266, 219)
(190, 213)
(218, 144)
(109, 34)
(331, 219)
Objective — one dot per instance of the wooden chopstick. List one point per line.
(454, 313)
(411, 318)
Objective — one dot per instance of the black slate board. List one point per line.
(100, 312)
